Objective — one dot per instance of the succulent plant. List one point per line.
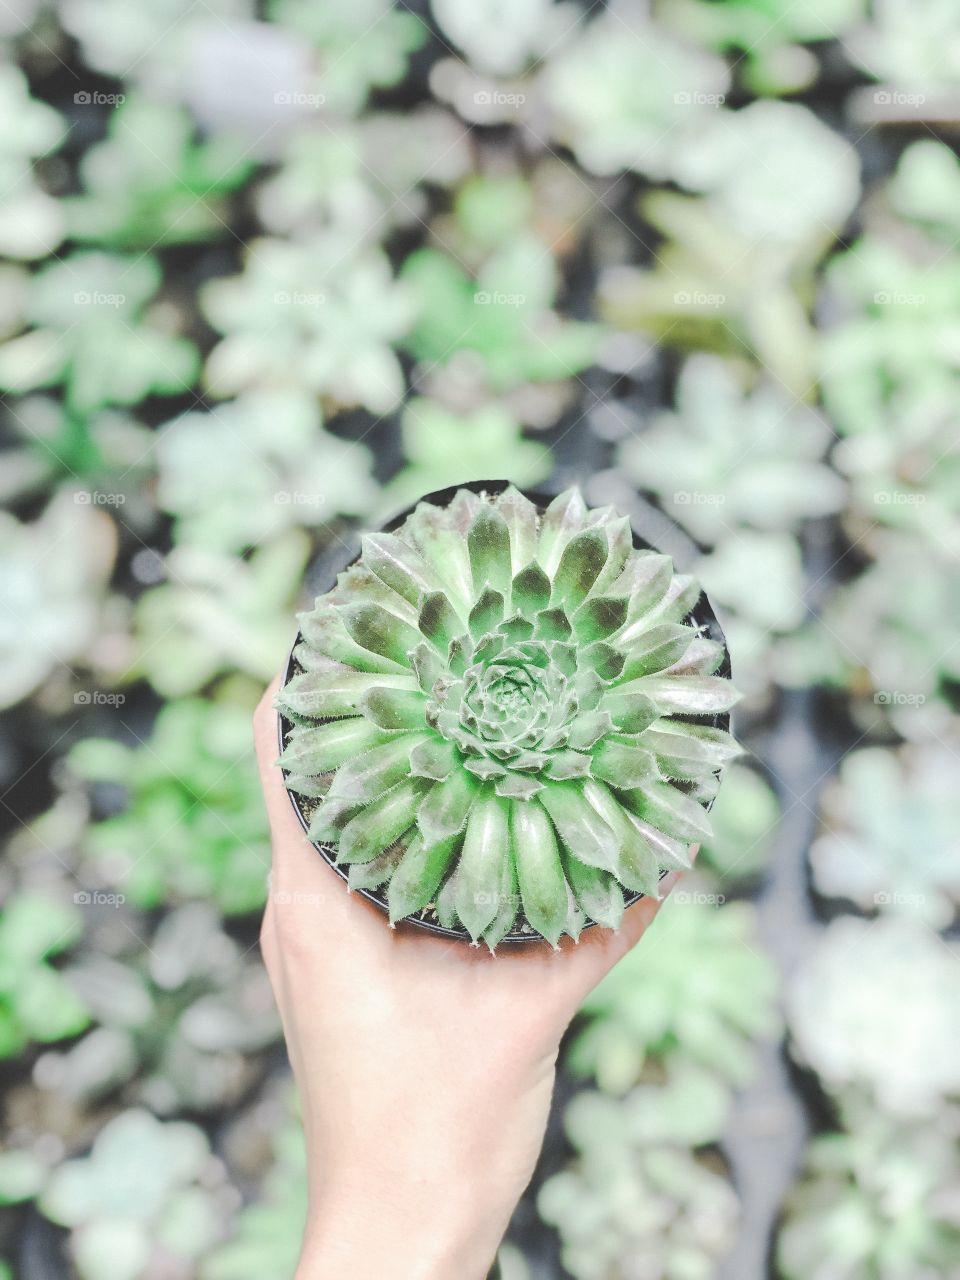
(878, 1201)
(54, 575)
(502, 40)
(877, 1007)
(218, 613)
(148, 183)
(180, 1016)
(726, 459)
(36, 1000)
(31, 221)
(92, 333)
(267, 1233)
(190, 824)
(908, 50)
(250, 469)
(636, 1201)
(322, 311)
(444, 448)
(892, 833)
(503, 316)
(631, 98)
(145, 1199)
(497, 707)
(701, 991)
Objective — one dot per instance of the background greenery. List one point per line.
(273, 270)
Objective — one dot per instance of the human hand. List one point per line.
(425, 1066)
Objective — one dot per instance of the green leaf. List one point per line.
(630, 708)
(397, 564)
(418, 874)
(582, 830)
(433, 758)
(486, 613)
(531, 590)
(596, 891)
(638, 868)
(509, 902)
(439, 621)
(394, 708)
(321, 747)
(521, 517)
(370, 774)
(622, 765)
(334, 692)
(479, 873)
(325, 630)
(488, 543)
(657, 648)
(688, 695)
(564, 517)
(376, 629)
(580, 563)
(688, 750)
(444, 810)
(599, 617)
(552, 624)
(543, 886)
(668, 809)
(371, 875)
(368, 834)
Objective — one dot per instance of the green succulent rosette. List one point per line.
(503, 718)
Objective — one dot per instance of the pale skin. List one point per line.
(424, 1066)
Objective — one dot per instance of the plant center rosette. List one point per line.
(502, 718)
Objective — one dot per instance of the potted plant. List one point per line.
(508, 718)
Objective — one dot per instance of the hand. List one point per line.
(424, 1066)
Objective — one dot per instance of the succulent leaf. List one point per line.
(503, 717)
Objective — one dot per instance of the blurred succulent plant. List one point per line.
(91, 334)
(37, 1003)
(218, 613)
(155, 52)
(768, 35)
(192, 823)
(267, 1233)
(908, 50)
(725, 459)
(150, 183)
(700, 990)
(54, 574)
(877, 1006)
(774, 172)
(744, 819)
(248, 470)
(625, 98)
(31, 221)
(443, 448)
(318, 316)
(144, 1199)
(925, 188)
(637, 1201)
(882, 635)
(548, 708)
(504, 316)
(501, 39)
(180, 1018)
(878, 1201)
(361, 47)
(892, 834)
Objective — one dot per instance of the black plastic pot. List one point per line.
(646, 521)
